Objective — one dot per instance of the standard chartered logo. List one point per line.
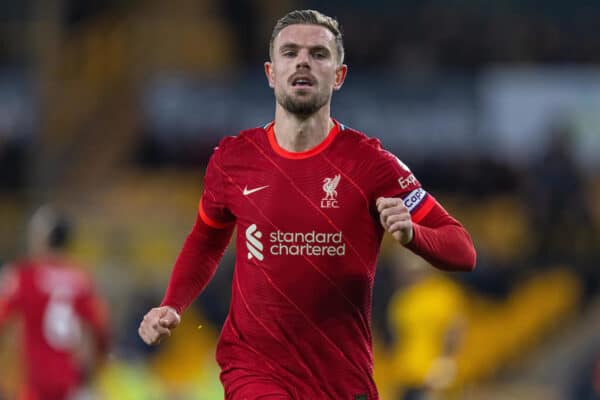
(255, 246)
(295, 243)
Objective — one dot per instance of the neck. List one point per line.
(300, 133)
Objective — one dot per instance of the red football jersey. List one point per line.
(54, 300)
(308, 235)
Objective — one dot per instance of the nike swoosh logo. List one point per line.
(250, 191)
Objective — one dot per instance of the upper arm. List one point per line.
(392, 178)
(213, 207)
(94, 312)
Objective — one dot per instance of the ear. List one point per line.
(269, 73)
(340, 76)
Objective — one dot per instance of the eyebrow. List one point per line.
(294, 46)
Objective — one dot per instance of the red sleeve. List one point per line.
(95, 312)
(196, 264)
(389, 176)
(213, 207)
(443, 241)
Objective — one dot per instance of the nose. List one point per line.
(303, 59)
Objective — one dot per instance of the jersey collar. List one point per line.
(293, 155)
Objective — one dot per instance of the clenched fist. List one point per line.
(157, 324)
(395, 218)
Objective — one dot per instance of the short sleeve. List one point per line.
(94, 310)
(393, 178)
(213, 207)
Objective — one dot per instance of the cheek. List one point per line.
(330, 80)
(278, 75)
(329, 76)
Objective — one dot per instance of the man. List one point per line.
(311, 199)
(57, 305)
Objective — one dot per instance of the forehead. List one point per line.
(305, 35)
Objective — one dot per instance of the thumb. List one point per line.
(169, 318)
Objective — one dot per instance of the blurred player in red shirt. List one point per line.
(311, 199)
(57, 304)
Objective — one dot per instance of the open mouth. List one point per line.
(302, 82)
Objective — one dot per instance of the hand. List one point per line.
(157, 324)
(395, 218)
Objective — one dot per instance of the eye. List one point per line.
(288, 53)
(320, 55)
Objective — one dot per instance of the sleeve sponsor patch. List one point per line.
(406, 182)
(414, 199)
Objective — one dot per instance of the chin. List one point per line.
(302, 92)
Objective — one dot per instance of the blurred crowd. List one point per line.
(77, 130)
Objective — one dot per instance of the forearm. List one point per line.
(196, 264)
(443, 242)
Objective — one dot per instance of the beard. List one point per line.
(301, 106)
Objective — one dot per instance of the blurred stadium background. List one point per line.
(110, 109)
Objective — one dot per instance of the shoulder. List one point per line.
(371, 148)
(233, 144)
(77, 275)
(68, 276)
(361, 141)
(19, 267)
